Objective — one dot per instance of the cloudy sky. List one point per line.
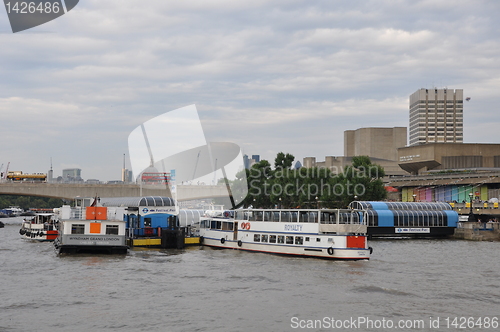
(270, 76)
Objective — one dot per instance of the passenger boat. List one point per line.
(90, 229)
(323, 233)
(40, 228)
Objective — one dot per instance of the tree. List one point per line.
(283, 161)
(362, 181)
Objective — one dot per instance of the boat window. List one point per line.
(293, 216)
(267, 216)
(256, 238)
(328, 218)
(318, 239)
(258, 215)
(227, 226)
(147, 222)
(299, 240)
(281, 239)
(263, 238)
(272, 238)
(307, 238)
(111, 229)
(78, 229)
(285, 217)
(289, 240)
(276, 216)
(303, 216)
(241, 215)
(330, 240)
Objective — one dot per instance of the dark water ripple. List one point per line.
(225, 290)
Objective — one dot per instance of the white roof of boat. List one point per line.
(137, 201)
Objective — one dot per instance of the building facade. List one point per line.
(381, 143)
(436, 116)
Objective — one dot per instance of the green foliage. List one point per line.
(283, 161)
(27, 202)
(310, 187)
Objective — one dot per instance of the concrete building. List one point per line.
(337, 164)
(448, 156)
(72, 175)
(436, 116)
(381, 143)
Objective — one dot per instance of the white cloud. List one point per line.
(269, 75)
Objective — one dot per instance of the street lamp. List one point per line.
(471, 214)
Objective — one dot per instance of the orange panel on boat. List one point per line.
(101, 213)
(356, 242)
(95, 227)
(90, 213)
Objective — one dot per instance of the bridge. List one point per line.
(69, 191)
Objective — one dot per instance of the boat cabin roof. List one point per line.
(134, 201)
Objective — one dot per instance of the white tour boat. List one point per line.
(322, 233)
(40, 228)
(90, 229)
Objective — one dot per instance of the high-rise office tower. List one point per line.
(436, 116)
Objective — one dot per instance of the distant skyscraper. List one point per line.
(256, 157)
(436, 116)
(71, 174)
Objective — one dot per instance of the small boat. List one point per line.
(339, 234)
(40, 228)
(90, 229)
(14, 211)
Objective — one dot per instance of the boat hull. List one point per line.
(41, 229)
(333, 253)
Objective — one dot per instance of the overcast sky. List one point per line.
(269, 76)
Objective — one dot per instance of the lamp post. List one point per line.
(471, 214)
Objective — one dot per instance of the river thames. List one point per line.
(413, 285)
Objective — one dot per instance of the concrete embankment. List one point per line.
(476, 231)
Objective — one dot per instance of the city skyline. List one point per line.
(268, 76)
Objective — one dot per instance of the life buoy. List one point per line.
(240, 243)
(330, 251)
(371, 250)
(247, 226)
(222, 240)
(243, 225)
(226, 214)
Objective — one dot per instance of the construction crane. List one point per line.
(6, 171)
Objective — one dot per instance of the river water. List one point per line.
(421, 285)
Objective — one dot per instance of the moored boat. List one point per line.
(90, 229)
(323, 233)
(40, 228)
